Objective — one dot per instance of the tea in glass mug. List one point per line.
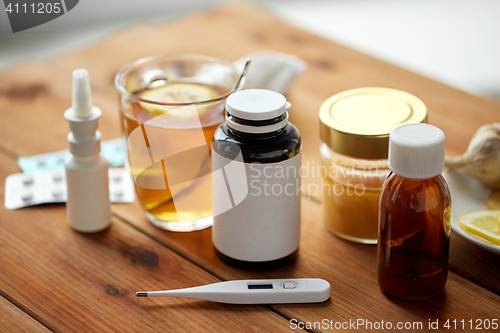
(170, 107)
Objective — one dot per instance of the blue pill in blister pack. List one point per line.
(113, 150)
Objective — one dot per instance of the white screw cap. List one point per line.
(416, 151)
(257, 104)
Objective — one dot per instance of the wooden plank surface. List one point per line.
(332, 68)
(76, 282)
(33, 97)
(13, 319)
(349, 267)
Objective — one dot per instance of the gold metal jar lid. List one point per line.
(357, 122)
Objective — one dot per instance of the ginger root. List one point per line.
(482, 158)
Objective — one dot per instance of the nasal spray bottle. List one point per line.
(86, 170)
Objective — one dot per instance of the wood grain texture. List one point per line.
(33, 97)
(75, 282)
(233, 31)
(13, 319)
(349, 267)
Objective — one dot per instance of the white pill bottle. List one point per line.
(256, 161)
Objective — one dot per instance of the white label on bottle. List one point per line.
(256, 208)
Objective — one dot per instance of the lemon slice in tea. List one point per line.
(484, 223)
(178, 92)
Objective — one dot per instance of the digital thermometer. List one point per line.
(253, 291)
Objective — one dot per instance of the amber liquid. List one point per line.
(414, 235)
(196, 194)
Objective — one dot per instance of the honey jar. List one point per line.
(354, 128)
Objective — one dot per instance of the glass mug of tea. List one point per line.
(170, 107)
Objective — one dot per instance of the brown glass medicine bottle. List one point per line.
(414, 215)
(256, 182)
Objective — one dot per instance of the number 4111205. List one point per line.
(39, 8)
(477, 324)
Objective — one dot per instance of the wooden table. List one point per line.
(52, 278)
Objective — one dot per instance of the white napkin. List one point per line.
(268, 70)
(271, 70)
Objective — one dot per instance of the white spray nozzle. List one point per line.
(82, 116)
(82, 98)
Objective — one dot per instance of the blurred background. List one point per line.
(456, 42)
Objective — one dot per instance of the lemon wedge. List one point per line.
(178, 92)
(484, 223)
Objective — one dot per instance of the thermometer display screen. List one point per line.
(260, 286)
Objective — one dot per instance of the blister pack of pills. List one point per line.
(24, 190)
(113, 150)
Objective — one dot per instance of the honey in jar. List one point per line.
(354, 127)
